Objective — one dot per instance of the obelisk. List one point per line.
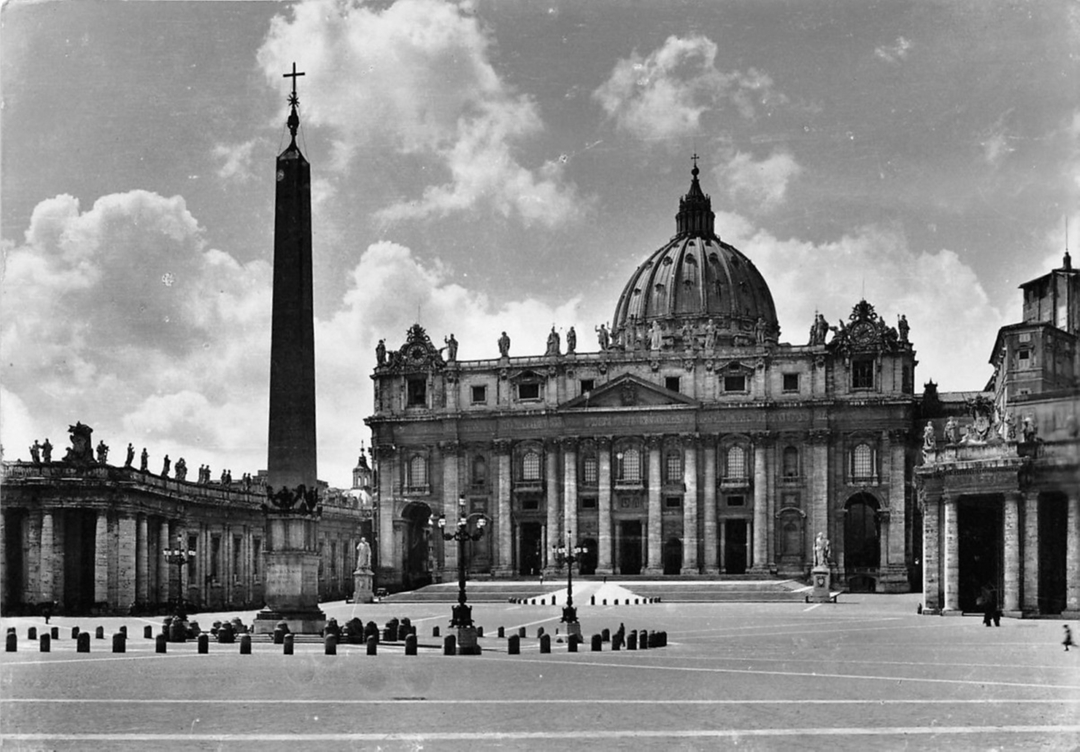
(292, 510)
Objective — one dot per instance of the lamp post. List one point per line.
(179, 556)
(462, 612)
(568, 555)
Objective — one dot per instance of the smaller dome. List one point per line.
(696, 288)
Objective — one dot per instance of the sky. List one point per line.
(491, 166)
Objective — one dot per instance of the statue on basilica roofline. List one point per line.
(710, 336)
(656, 336)
(504, 345)
(552, 342)
(46, 451)
(571, 341)
(903, 327)
(130, 455)
(603, 336)
(380, 353)
(929, 440)
(102, 452)
(451, 347)
(1030, 429)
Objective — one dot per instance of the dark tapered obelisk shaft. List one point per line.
(292, 459)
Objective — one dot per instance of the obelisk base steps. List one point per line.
(292, 575)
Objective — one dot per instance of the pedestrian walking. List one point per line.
(1068, 637)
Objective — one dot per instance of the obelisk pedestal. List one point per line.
(292, 575)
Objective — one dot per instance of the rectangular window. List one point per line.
(237, 561)
(417, 393)
(528, 391)
(588, 502)
(256, 552)
(333, 559)
(862, 462)
(1025, 337)
(736, 501)
(530, 505)
(672, 383)
(530, 466)
(590, 471)
(479, 395)
(674, 467)
(1025, 357)
(215, 557)
(587, 385)
(735, 383)
(862, 373)
(193, 545)
(791, 382)
(673, 502)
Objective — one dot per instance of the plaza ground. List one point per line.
(865, 672)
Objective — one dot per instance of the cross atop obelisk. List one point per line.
(294, 101)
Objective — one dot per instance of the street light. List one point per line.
(179, 556)
(462, 613)
(569, 555)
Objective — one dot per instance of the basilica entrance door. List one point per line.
(862, 550)
(672, 556)
(979, 520)
(630, 547)
(529, 544)
(735, 547)
(416, 569)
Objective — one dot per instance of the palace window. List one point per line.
(416, 396)
(862, 462)
(672, 383)
(479, 394)
(193, 545)
(862, 373)
(530, 466)
(588, 502)
(673, 502)
(590, 470)
(791, 382)
(417, 471)
(629, 465)
(479, 471)
(735, 383)
(736, 463)
(791, 462)
(528, 391)
(736, 501)
(673, 466)
(587, 385)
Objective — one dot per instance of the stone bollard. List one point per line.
(643, 640)
(330, 645)
(592, 600)
(543, 602)
(159, 644)
(410, 645)
(371, 629)
(631, 640)
(203, 642)
(372, 644)
(479, 631)
(616, 641)
(449, 646)
(435, 631)
(46, 642)
(605, 601)
(605, 634)
(571, 643)
(12, 644)
(597, 643)
(74, 633)
(513, 645)
(521, 632)
(82, 644)
(55, 632)
(31, 634)
(119, 643)
(148, 632)
(279, 636)
(287, 645)
(245, 644)
(545, 643)
(637, 601)
(502, 632)
(539, 632)
(616, 602)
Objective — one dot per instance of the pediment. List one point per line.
(628, 391)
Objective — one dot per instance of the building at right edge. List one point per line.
(999, 483)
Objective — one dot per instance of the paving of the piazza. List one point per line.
(864, 673)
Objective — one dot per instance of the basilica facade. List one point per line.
(691, 441)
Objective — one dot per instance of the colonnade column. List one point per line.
(502, 448)
(452, 489)
(1031, 552)
(387, 470)
(101, 558)
(931, 506)
(819, 489)
(951, 556)
(142, 560)
(164, 542)
(46, 573)
(655, 519)
(1072, 554)
(897, 502)
(551, 496)
(603, 456)
(569, 457)
(31, 590)
(761, 513)
(690, 507)
(1011, 596)
(710, 529)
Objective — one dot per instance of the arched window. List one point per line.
(530, 466)
(862, 462)
(736, 463)
(791, 462)
(590, 470)
(673, 466)
(629, 461)
(417, 471)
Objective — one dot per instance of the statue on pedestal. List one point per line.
(822, 549)
(504, 346)
(571, 341)
(363, 555)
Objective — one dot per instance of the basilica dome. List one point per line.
(694, 285)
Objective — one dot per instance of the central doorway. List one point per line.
(979, 520)
(630, 547)
(673, 556)
(735, 547)
(530, 541)
(417, 570)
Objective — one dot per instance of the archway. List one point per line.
(672, 556)
(416, 567)
(862, 547)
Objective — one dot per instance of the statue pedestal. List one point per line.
(363, 586)
(820, 577)
(466, 641)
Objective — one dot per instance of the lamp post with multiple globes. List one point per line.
(462, 612)
(568, 554)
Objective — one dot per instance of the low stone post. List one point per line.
(616, 641)
(502, 632)
(435, 631)
(203, 642)
(55, 633)
(631, 640)
(31, 633)
(123, 630)
(449, 645)
(605, 634)
(74, 633)
(46, 642)
(12, 644)
(571, 643)
(119, 643)
(513, 645)
(539, 632)
(521, 632)
(545, 643)
(410, 644)
(479, 631)
(643, 639)
(330, 645)
(597, 643)
(160, 644)
(287, 645)
(148, 632)
(82, 643)
(99, 633)
(372, 644)
(245, 644)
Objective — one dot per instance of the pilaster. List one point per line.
(690, 506)
(451, 491)
(603, 455)
(569, 460)
(142, 560)
(502, 523)
(163, 593)
(654, 562)
(551, 496)
(951, 557)
(1072, 554)
(101, 558)
(1030, 601)
(48, 593)
(709, 526)
(761, 500)
(1011, 596)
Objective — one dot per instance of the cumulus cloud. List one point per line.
(119, 315)
(664, 94)
(896, 52)
(235, 160)
(952, 332)
(417, 77)
(762, 183)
